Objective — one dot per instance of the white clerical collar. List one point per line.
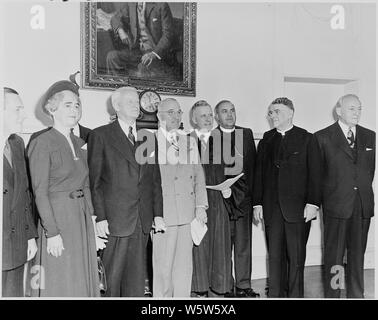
(204, 134)
(126, 127)
(283, 132)
(345, 128)
(227, 130)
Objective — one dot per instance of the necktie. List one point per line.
(350, 138)
(131, 135)
(7, 153)
(203, 142)
(140, 6)
(174, 142)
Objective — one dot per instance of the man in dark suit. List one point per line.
(284, 195)
(146, 31)
(19, 231)
(126, 196)
(345, 154)
(238, 155)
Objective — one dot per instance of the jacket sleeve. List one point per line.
(157, 192)
(32, 230)
(315, 164)
(39, 161)
(258, 176)
(200, 187)
(95, 164)
(167, 30)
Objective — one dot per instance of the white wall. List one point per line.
(244, 51)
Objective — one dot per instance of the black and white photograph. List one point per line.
(207, 152)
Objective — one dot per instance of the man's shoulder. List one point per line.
(326, 131)
(366, 131)
(36, 134)
(102, 130)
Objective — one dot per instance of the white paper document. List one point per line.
(198, 231)
(225, 184)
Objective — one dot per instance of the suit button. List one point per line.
(27, 227)
(191, 177)
(191, 193)
(13, 230)
(176, 178)
(5, 191)
(355, 188)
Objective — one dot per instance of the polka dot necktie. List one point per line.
(350, 138)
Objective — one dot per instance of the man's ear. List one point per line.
(216, 117)
(338, 111)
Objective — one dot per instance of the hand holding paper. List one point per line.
(225, 184)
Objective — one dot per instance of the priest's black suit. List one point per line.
(283, 186)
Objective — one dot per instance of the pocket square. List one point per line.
(84, 147)
(369, 149)
(152, 154)
(154, 19)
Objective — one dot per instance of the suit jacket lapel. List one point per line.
(122, 144)
(17, 158)
(360, 139)
(133, 20)
(149, 7)
(340, 140)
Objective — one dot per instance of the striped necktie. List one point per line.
(8, 153)
(131, 135)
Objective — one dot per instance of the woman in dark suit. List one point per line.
(59, 173)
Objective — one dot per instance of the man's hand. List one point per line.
(159, 224)
(32, 249)
(147, 58)
(201, 215)
(258, 214)
(310, 212)
(226, 193)
(102, 228)
(100, 243)
(55, 246)
(124, 37)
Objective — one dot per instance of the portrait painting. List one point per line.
(148, 45)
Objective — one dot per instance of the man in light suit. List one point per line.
(184, 199)
(126, 196)
(345, 154)
(146, 31)
(284, 195)
(19, 231)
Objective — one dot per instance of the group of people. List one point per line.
(113, 188)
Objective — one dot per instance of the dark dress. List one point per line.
(212, 258)
(55, 175)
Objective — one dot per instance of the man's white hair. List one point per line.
(120, 91)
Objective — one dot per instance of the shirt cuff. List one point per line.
(156, 55)
(257, 206)
(313, 205)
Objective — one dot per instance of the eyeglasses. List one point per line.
(172, 113)
(275, 111)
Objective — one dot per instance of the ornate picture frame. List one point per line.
(107, 56)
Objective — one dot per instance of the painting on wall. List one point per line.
(148, 45)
